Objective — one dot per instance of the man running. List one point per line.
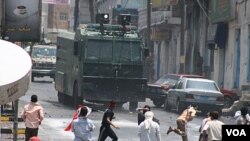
(106, 130)
(186, 116)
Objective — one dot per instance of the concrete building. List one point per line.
(220, 31)
(165, 37)
(232, 62)
(58, 20)
(84, 12)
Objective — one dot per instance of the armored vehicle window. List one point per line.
(99, 50)
(127, 51)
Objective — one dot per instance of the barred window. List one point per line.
(63, 16)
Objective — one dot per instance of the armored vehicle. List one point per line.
(43, 61)
(99, 63)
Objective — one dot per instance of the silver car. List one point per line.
(198, 91)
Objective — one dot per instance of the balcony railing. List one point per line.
(157, 17)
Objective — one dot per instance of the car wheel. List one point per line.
(60, 97)
(166, 105)
(227, 102)
(158, 102)
(179, 106)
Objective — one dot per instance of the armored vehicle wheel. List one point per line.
(166, 105)
(133, 106)
(179, 106)
(61, 97)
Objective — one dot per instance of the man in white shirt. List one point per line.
(82, 127)
(242, 117)
(214, 127)
(149, 130)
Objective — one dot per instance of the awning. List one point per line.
(218, 34)
(221, 35)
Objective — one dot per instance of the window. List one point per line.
(118, 52)
(99, 50)
(179, 85)
(63, 16)
(42, 52)
(127, 51)
(201, 85)
(169, 79)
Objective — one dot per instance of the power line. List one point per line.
(125, 4)
(202, 8)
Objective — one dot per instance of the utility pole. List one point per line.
(149, 25)
(148, 63)
(91, 11)
(182, 47)
(15, 126)
(76, 15)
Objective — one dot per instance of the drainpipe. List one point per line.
(76, 15)
(182, 47)
(91, 11)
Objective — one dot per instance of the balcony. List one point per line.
(157, 18)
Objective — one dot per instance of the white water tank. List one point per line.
(15, 72)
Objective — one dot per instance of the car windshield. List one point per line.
(168, 79)
(194, 84)
(44, 52)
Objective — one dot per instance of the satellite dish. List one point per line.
(15, 72)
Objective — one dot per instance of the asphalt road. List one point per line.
(58, 116)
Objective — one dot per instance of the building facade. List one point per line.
(165, 37)
(232, 62)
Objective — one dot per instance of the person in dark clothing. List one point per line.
(106, 130)
(142, 111)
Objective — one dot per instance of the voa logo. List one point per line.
(236, 132)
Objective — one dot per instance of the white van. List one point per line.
(43, 61)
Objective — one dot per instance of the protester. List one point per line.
(149, 130)
(142, 111)
(82, 127)
(214, 127)
(203, 136)
(243, 118)
(105, 129)
(33, 116)
(186, 116)
(76, 114)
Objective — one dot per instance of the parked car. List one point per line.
(229, 97)
(202, 92)
(156, 91)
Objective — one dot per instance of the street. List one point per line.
(58, 116)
